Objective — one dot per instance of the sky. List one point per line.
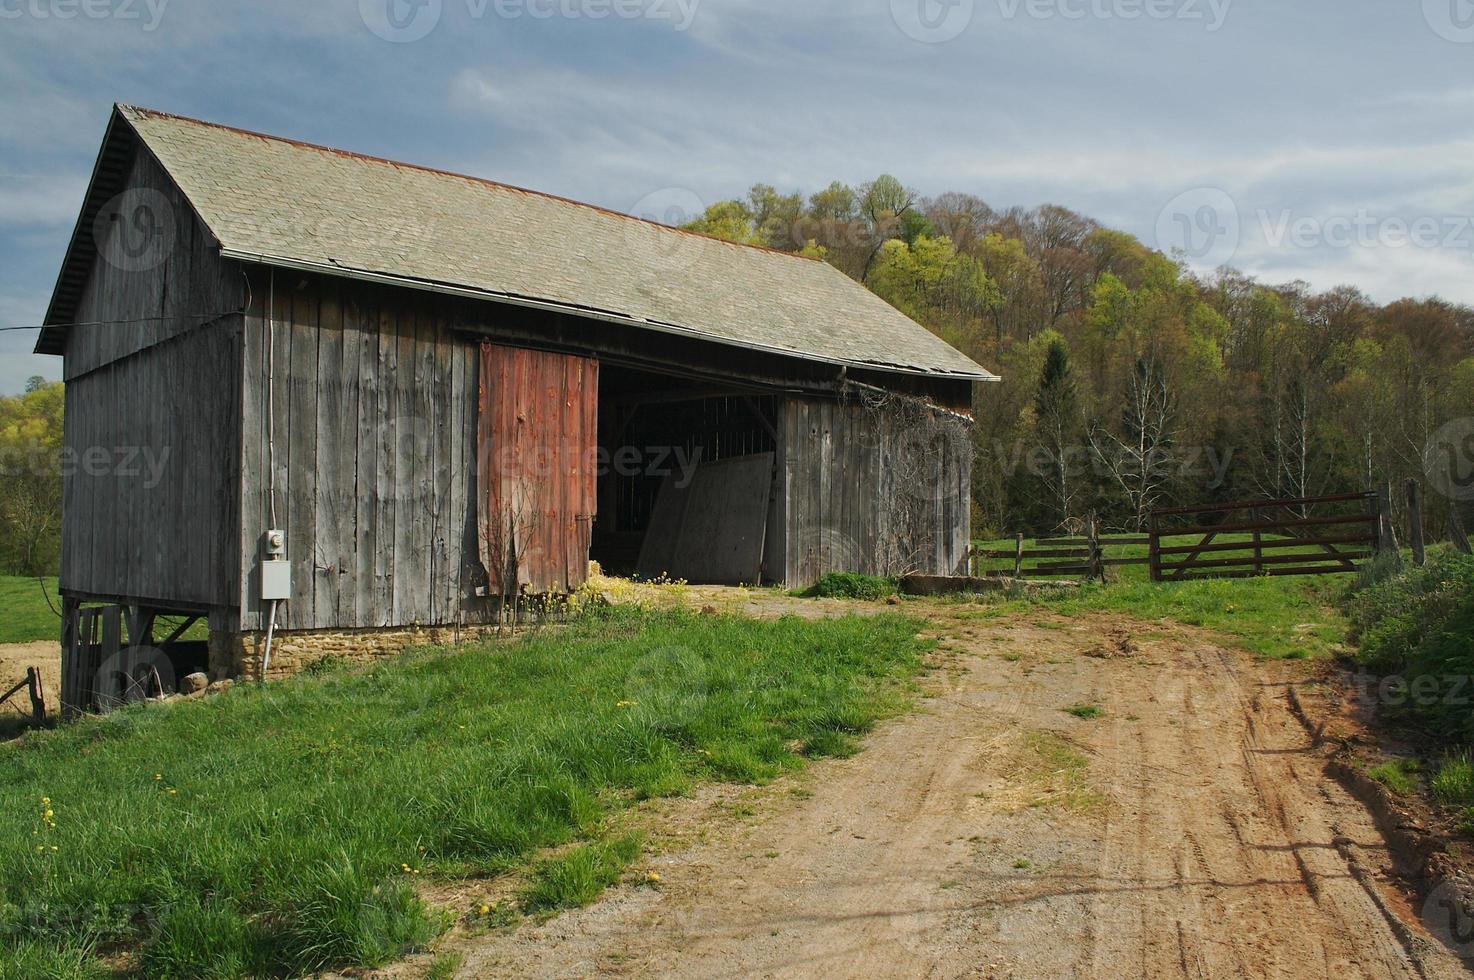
(1324, 140)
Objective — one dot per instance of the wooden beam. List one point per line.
(38, 697)
(1415, 521)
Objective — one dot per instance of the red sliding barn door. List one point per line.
(536, 445)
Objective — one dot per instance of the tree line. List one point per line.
(30, 453)
(1130, 383)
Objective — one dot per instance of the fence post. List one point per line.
(1386, 532)
(1415, 521)
(1153, 554)
(1258, 552)
(1456, 528)
(1092, 534)
(1018, 554)
(38, 697)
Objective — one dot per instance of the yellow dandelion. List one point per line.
(173, 791)
(653, 877)
(49, 814)
(484, 910)
(45, 801)
(158, 776)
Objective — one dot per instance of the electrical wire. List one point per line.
(141, 319)
(42, 582)
(270, 452)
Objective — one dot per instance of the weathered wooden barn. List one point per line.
(363, 395)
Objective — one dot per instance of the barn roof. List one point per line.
(280, 202)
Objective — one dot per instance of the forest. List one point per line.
(1129, 383)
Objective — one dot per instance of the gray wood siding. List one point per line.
(153, 373)
(158, 274)
(863, 493)
(375, 449)
(150, 492)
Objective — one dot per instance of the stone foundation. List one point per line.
(238, 655)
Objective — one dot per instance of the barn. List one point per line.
(325, 395)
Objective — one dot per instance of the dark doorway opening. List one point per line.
(665, 435)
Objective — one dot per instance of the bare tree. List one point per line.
(1138, 457)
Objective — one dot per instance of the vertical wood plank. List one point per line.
(366, 588)
(386, 477)
(301, 452)
(332, 499)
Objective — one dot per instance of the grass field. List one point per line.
(1280, 617)
(281, 830)
(24, 615)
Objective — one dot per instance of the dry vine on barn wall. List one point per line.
(918, 443)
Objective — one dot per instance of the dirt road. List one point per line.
(1181, 828)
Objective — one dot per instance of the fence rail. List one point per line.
(1322, 543)
(1079, 556)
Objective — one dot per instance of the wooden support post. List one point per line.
(1153, 554)
(1456, 528)
(1018, 554)
(1259, 543)
(1386, 531)
(38, 697)
(1092, 537)
(1415, 521)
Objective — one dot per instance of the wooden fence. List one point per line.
(1299, 536)
(1082, 556)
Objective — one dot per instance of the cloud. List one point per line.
(34, 199)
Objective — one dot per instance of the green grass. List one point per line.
(282, 830)
(579, 876)
(1453, 783)
(1085, 712)
(1276, 617)
(850, 585)
(1415, 626)
(1397, 775)
(24, 615)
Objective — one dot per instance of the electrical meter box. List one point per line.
(276, 580)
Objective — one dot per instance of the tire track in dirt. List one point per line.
(1190, 831)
